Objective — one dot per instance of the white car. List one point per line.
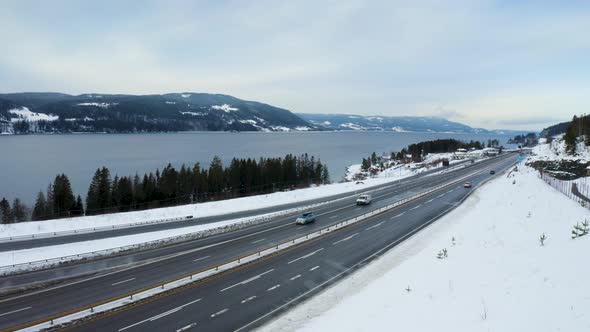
(467, 185)
(364, 199)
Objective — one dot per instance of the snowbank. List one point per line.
(497, 276)
(195, 210)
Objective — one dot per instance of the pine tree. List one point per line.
(215, 176)
(104, 190)
(570, 140)
(40, 208)
(92, 201)
(49, 200)
(63, 198)
(365, 165)
(6, 216)
(373, 158)
(78, 208)
(325, 175)
(19, 210)
(125, 192)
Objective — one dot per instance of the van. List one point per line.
(364, 199)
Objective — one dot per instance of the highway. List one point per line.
(286, 276)
(29, 243)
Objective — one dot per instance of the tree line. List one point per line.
(171, 186)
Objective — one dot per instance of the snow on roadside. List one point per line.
(196, 210)
(111, 244)
(497, 276)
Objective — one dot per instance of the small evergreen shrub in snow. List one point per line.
(581, 229)
(442, 254)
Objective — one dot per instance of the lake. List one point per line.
(29, 163)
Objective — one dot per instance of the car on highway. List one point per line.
(305, 218)
(467, 185)
(364, 199)
(492, 172)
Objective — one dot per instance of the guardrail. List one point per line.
(12, 269)
(162, 221)
(144, 293)
(53, 262)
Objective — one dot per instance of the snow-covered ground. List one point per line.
(497, 276)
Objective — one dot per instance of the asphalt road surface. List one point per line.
(247, 296)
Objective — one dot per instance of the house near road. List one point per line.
(490, 152)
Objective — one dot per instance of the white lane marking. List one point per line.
(273, 288)
(220, 312)
(257, 241)
(332, 217)
(345, 239)
(186, 327)
(314, 268)
(450, 191)
(403, 238)
(13, 311)
(199, 259)
(295, 277)
(305, 256)
(160, 315)
(429, 201)
(249, 299)
(415, 207)
(358, 208)
(169, 312)
(298, 228)
(247, 280)
(441, 195)
(399, 215)
(376, 225)
(120, 282)
(208, 246)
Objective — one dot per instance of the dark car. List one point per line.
(492, 172)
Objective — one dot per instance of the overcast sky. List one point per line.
(491, 64)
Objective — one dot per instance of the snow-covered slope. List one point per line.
(497, 276)
(24, 114)
(556, 151)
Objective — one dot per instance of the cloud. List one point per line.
(530, 121)
(485, 62)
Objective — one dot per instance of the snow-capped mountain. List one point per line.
(57, 112)
(394, 123)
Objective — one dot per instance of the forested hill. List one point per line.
(561, 128)
(57, 112)
(429, 124)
